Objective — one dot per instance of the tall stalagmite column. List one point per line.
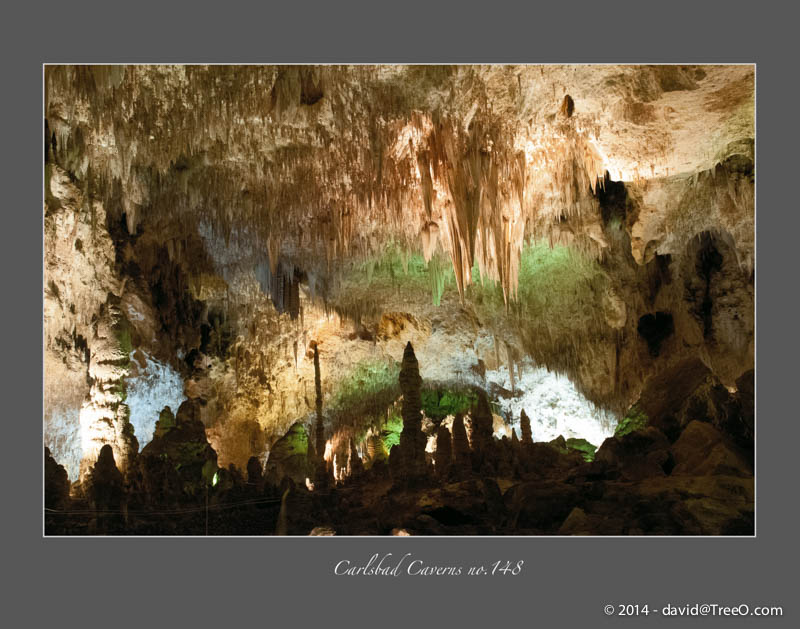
(104, 416)
(320, 429)
(482, 433)
(444, 450)
(412, 439)
(525, 428)
(461, 451)
(321, 474)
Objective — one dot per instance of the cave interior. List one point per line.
(399, 300)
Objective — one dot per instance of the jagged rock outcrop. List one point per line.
(288, 458)
(184, 445)
(540, 505)
(638, 455)
(156, 483)
(56, 483)
(702, 450)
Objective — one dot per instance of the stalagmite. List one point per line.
(321, 473)
(483, 449)
(516, 453)
(375, 450)
(412, 439)
(104, 415)
(462, 456)
(510, 357)
(320, 427)
(355, 466)
(255, 475)
(56, 483)
(525, 428)
(444, 450)
(106, 489)
(226, 223)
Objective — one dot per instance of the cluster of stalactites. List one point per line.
(326, 160)
(487, 184)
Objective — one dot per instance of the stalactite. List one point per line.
(459, 172)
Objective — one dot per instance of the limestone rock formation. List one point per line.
(288, 457)
(525, 428)
(412, 439)
(321, 474)
(444, 449)
(483, 450)
(638, 455)
(56, 483)
(702, 450)
(165, 422)
(241, 225)
(255, 476)
(106, 490)
(185, 446)
(540, 505)
(355, 466)
(104, 414)
(462, 455)
(375, 450)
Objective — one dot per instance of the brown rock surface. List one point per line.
(702, 450)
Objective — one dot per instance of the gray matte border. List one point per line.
(565, 581)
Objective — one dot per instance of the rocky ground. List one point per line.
(694, 476)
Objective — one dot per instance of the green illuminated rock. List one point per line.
(289, 457)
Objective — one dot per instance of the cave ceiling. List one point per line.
(324, 165)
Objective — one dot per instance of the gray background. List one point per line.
(267, 582)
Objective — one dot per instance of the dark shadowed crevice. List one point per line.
(655, 329)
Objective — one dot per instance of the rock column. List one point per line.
(412, 439)
(525, 429)
(104, 416)
(461, 451)
(482, 439)
(321, 476)
(444, 451)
